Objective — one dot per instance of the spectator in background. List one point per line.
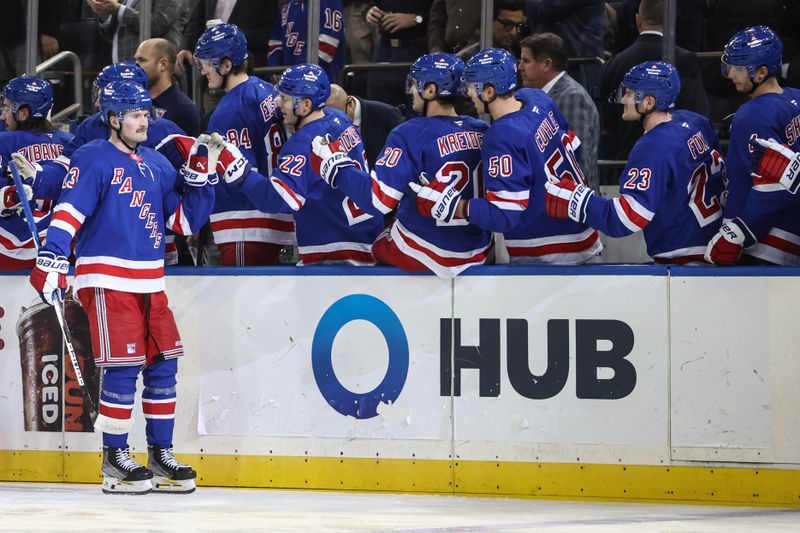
(358, 33)
(157, 59)
(403, 26)
(254, 17)
(373, 119)
(647, 47)
(507, 24)
(119, 23)
(543, 66)
(287, 42)
(12, 35)
(581, 24)
(453, 25)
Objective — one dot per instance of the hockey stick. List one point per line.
(26, 209)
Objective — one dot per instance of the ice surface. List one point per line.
(68, 507)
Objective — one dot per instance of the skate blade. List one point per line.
(173, 486)
(117, 486)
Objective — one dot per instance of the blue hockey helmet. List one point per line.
(30, 91)
(751, 48)
(494, 66)
(122, 71)
(653, 78)
(306, 81)
(443, 70)
(219, 42)
(119, 97)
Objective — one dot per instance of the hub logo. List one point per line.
(376, 312)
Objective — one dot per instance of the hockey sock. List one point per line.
(116, 404)
(158, 401)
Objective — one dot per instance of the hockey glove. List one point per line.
(232, 166)
(11, 204)
(328, 158)
(27, 170)
(778, 164)
(436, 199)
(567, 199)
(49, 276)
(196, 170)
(726, 247)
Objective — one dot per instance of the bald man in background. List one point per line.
(157, 59)
(373, 119)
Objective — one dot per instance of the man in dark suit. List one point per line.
(254, 17)
(543, 65)
(373, 119)
(648, 46)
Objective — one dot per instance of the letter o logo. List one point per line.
(343, 311)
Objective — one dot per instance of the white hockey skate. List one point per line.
(123, 475)
(169, 475)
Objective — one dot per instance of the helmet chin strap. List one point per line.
(118, 132)
(643, 116)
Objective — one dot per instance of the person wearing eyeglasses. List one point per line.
(507, 25)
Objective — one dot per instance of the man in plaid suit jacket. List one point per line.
(118, 21)
(543, 66)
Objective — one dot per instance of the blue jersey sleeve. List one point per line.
(82, 189)
(642, 185)
(381, 192)
(507, 168)
(185, 212)
(747, 124)
(285, 189)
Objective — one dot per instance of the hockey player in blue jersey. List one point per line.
(48, 179)
(528, 142)
(331, 228)
(29, 139)
(439, 145)
(287, 43)
(761, 221)
(671, 184)
(246, 117)
(118, 199)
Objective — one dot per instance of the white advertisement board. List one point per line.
(566, 360)
(735, 349)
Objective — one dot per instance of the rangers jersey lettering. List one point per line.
(118, 206)
(247, 116)
(331, 228)
(287, 44)
(443, 148)
(520, 151)
(670, 189)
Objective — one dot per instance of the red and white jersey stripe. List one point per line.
(631, 213)
(338, 253)
(509, 200)
(294, 200)
(779, 247)
(119, 274)
(575, 248)
(252, 226)
(327, 47)
(67, 218)
(691, 256)
(444, 263)
(384, 197)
